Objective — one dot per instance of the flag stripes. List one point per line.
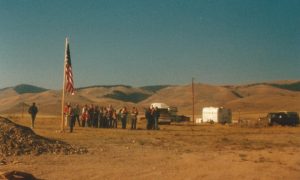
(69, 86)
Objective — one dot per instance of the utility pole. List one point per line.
(193, 100)
(22, 116)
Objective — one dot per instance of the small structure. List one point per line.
(216, 115)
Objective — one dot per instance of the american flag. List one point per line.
(68, 71)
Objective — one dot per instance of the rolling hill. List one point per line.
(259, 97)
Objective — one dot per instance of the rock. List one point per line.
(3, 162)
(16, 175)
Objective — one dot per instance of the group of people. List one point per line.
(99, 117)
(102, 117)
(152, 115)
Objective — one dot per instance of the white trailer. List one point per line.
(216, 115)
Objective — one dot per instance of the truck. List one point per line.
(216, 115)
(283, 118)
(167, 113)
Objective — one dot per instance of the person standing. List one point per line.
(152, 117)
(156, 115)
(115, 119)
(119, 114)
(76, 114)
(84, 115)
(148, 118)
(109, 116)
(134, 114)
(91, 112)
(96, 116)
(67, 110)
(124, 117)
(33, 110)
(105, 118)
(72, 118)
(101, 117)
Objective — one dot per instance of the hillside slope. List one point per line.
(260, 97)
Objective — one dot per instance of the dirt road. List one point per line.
(178, 151)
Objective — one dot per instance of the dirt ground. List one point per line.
(177, 151)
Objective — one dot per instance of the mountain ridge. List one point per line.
(291, 85)
(249, 97)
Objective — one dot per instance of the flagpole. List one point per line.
(63, 91)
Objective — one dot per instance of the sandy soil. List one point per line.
(178, 151)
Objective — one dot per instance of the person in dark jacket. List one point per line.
(77, 114)
(156, 115)
(72, 118)
(91, 112)
(33, 110)
(124, 114)
(148, 116)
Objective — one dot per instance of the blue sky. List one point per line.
(149, 42)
